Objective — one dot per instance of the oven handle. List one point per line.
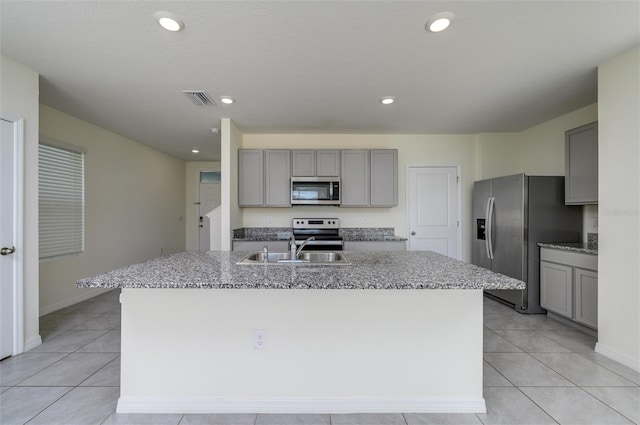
(316, 242)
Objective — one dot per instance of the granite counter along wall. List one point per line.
(284, 233)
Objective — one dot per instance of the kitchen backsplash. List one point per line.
(366, 232)
(271, 233)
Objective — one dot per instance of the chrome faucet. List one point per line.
(295, 253)
(304, 243)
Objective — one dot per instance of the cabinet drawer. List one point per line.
(570, 258)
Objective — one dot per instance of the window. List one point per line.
(60, 200)
(209, 176)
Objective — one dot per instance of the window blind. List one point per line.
(61, 201)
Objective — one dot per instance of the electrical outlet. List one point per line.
(269, 220)
(366, 219)
(161, 251)
(595, 222)
(259, 339)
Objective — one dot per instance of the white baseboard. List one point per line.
(325, 405)
(90, 293)
(32, 343)
(621, 358)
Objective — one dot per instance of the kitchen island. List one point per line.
(390, 332)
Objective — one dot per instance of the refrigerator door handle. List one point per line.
(486, 228)
(489, 237)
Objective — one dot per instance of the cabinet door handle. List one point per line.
(413, 233)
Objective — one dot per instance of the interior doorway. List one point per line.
(11, 231)
(208, 199)
(433, 209)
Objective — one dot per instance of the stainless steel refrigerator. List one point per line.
(511, 215)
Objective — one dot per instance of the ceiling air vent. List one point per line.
(199, 97)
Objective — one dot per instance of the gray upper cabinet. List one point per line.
(304, 163)
(581, 165)
(369, 178)
(384, 177)
(327, 163)
(277, 181)
(312, 163)
(251, 177)
(264, 178)
(355, 178)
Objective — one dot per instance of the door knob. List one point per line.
(7, 251)
(413, 233)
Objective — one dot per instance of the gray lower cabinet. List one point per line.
(581, 165)
(556, 288)
(569, 285)
(251, 177)
(273, 246)
(586, 297)
(375, 246)
(264, 178)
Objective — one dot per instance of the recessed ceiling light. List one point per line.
(387, 100)
(440, 22)
(227, 100)
(195, 151)
(169, 21)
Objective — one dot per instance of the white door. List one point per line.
(209, 194)
(7, 242)
(433, 210)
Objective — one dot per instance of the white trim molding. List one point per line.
(293, 405)
(18, 233)
(619, 357)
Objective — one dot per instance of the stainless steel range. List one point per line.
(325, 233)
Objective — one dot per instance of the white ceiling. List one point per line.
(315, 66)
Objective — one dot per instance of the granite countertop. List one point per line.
(352, 234)
(584, 248)
(368, 270)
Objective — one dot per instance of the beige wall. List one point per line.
(424, 149)
(19, 94)
(619, 202)
(191, 190)
(536, 151)
(134, 207)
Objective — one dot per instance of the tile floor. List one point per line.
(536, 371)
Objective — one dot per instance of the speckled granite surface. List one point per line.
(262, 234)
(360, 234)
(585, 248)
(368, 270)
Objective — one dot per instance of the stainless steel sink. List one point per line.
(305, 258)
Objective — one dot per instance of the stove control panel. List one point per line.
(316, 223)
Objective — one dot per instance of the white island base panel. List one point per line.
(327, 351)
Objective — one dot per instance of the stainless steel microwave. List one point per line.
(315, 190)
